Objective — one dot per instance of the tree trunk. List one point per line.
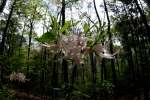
(74, 74)
(93, 69)
(2, 6)
(83, 73)
(144, 19)
(111, 47)
(2, 45)
(99, 21)
(21, 40)
(63, 12)
(29, 46)
(55, 77)
(65, 71)
(103, 70)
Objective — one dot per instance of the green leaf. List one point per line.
(90, 41)
(86, 27)
(48, 37)
(66, 26)
(54, 23)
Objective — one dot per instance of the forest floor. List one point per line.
(28, 96)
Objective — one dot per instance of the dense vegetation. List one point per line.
(47, 53)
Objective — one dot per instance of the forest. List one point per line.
(74, 50)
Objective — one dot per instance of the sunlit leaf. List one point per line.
(47, 37)
(86, 27)
(66, 26)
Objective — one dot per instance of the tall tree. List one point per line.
(4, 35)
(31, 12)
(98, 17)
(144, 19)
(111, 45)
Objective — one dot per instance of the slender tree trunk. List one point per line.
(64, 62)
(63, 12)
(118, 65)
(2, 6)
(93, 69)
(41, 72)
(55, 77)
(1, 76)
(44, 69)
(10, 41)
(103, 70)
(111, 47)
(99, 21)
(29, 46)
(21, 40)
(4, 36)
(74, 74)
(65, 71)
(144, 19)
(66, 79)
(130, 63)
(83, 73)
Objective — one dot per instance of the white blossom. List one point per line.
(17, 77)
(75, 46)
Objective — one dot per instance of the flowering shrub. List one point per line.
(17, 77)
(103, 52)
(75, 47)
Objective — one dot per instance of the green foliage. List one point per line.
(48, 37)
(90, 41)
(5, 95)
(54, 24)
(67, 26)
(107, 87)
(86, 27)
(57, 28)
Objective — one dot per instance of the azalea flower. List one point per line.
(17, 77)
(103, 52)
(107, 55)
(75, 47)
